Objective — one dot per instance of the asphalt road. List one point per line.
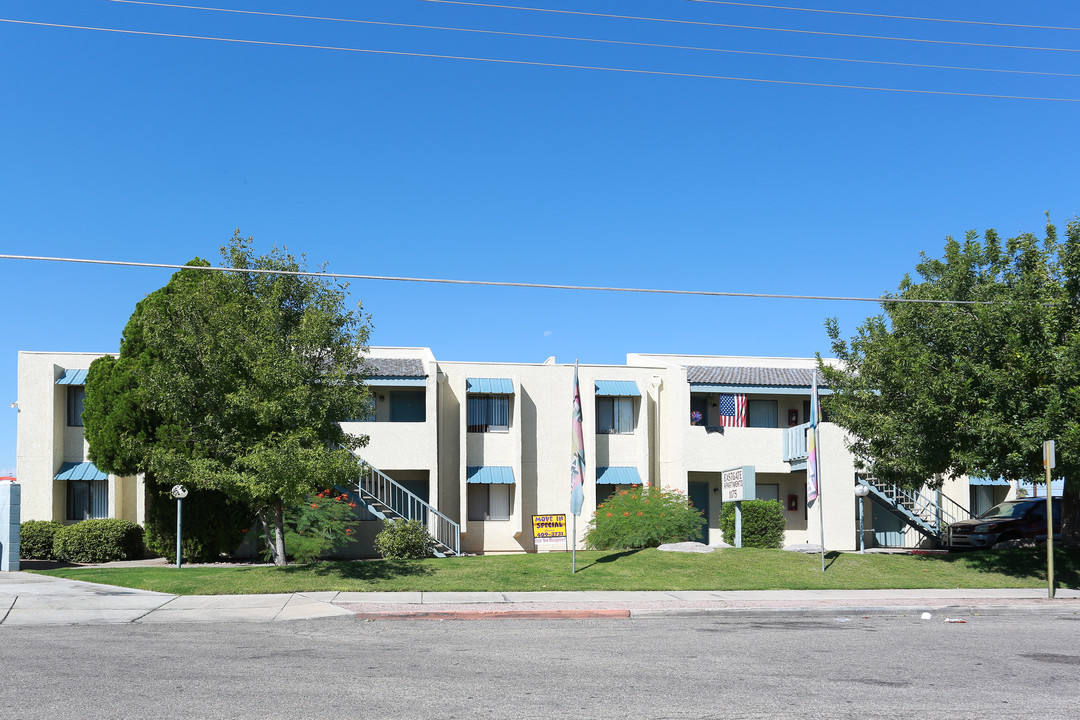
(1022, 666)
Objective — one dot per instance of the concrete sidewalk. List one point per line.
(28, 599)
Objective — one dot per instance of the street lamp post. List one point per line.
(861, 491)
(179, 492)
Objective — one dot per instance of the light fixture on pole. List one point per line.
(179, 492)
(861, 491)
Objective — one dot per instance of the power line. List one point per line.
(889, 17)
(749, 27)
(506, 33)
(633, 71)
(496, 283)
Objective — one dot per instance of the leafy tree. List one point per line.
(942, 390)
(235, 381)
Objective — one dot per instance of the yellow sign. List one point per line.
(549, 528)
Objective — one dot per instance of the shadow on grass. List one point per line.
(831, 556)
(610, 558)
(1026, 563)
(362, 570)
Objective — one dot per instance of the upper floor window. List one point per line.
(615, 415)
(76, 395)
(761, 413)
(407, 406)
(699, 410)
(488, 413)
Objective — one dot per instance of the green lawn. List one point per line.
(628, 570)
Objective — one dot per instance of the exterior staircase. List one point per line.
(386, 499)
(929, 515)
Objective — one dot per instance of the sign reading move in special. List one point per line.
(549, 528)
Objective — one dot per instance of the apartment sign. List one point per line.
(549, 529)
(733, 486)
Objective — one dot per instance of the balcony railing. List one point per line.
(795, 443)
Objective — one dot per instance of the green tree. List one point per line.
(940, 390)
(235, 381)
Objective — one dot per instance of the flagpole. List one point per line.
(813, 466)
(577, 466)
(821, 518)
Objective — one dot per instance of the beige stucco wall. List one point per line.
(44, 441)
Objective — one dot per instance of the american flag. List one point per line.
(733, 410)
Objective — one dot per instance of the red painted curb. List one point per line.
(495, 615)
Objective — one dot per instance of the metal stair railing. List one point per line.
(387, 499)
(922, 513)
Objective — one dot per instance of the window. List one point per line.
(367, 411)
(615, 415)
(767, 491)
(806, 412)
(488, 413)
(87, 499)
(76, 394)
(489, 501)
(761, 413)
(407, 406)
(699, 409)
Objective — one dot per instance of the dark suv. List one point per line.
(1012, 520)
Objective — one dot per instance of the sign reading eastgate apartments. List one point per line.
(738, 484)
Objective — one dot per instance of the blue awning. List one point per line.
(395, 381)
(617, 388)
(617, 476)
(490, 386)
(73, 377)
(988, 481)
(490, 474)
(80, 471)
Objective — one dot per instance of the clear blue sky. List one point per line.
(148, 148)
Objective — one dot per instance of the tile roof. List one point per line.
(780, 377)
(394, 367)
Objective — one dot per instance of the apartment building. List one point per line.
(476, 449)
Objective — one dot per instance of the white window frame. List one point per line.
(621, 415)
(489, 502)
(489, 412)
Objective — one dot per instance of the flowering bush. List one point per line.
(404, 539)
(643, 517)
(322, 523)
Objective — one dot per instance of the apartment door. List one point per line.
(698, 493)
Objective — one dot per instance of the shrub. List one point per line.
(36, 539)
(643, 517)
(213, 525)
(404, 539)
(763, 523)
(322, 523)
(96, 541)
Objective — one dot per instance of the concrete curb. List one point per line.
(939, 612)
(575, 614)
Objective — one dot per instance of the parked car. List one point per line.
(1011, 520)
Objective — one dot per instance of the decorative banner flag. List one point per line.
(732, 410)
(812, 479)
(577, 453)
